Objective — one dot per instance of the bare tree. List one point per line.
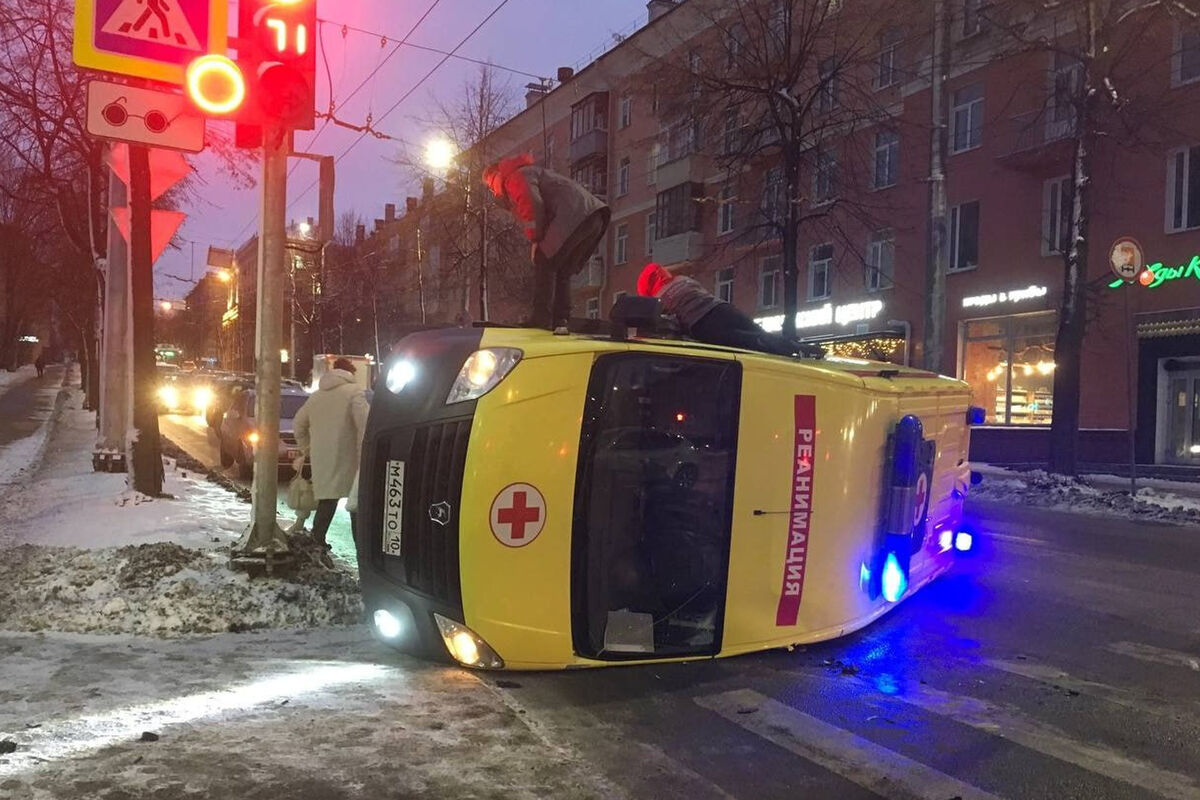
(778, 93)
(1101, 92)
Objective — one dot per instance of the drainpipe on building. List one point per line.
(935, 273)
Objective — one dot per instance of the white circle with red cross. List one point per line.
(518, 515)
(922, 498)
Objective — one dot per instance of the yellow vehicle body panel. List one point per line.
(527, 430)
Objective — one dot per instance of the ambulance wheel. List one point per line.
(686, 476)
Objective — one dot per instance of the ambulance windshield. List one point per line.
(653, 504)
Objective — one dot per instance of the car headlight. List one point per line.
(399, 375)
(465, 646)
(169, 395)
(481, 372)
(201, 398)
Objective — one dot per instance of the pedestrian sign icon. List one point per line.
(153, 39)
(153, 21)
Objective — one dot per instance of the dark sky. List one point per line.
(534, 36)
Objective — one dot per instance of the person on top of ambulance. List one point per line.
(563, 221)
(709, 319)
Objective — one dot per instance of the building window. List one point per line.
(734, 44)
(1009, 363)
(651, 231)
(653, 159)
(825, 176)
(593, 176)
(1067, 75)
(725, 285)
(622, 244)
(626, 118)
(1183, 189)
(964, 236)
(887, 159)
(827, 74)
(726, 208)
(549, 150)
(973, 21)
(593, 308)
(682, 140)
(1056, 216)
(730, 140)
(618, 295)
(623, 177)
(966, 122)
(820, 261)
(1185, 61)
(886, 73)
(772, 201)
(881, 260)
(768, 282)
(678, 212)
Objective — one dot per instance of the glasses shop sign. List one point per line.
(1000, 298)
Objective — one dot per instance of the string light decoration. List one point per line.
(880, 348)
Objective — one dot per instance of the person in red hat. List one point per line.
(563, 221)
(709, 319)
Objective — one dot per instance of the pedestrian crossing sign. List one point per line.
(153, 39)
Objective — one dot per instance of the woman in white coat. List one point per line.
(329, 427)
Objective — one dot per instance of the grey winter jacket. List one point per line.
(559, 206)
(686, 300)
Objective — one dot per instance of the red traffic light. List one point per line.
(277, 50)
(216, 85)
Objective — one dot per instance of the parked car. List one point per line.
(239, 431)
(666, 453)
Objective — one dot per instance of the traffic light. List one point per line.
(277, 51)
(273, 80)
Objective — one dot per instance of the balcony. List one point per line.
(687, 246)
(1034, 139)
(592, 144)
(688, 169)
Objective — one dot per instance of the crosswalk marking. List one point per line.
(1156, 655)
(861, 761)
(1050, 741)
(1054, 676)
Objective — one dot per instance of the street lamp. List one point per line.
(165, 305)
(305, 228)
(224, 275)
(440, 154)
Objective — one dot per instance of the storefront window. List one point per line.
(1009, 362)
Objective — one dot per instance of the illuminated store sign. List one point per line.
(1015, 296)
(1157, 274)
(826, 315)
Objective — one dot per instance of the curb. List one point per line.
(171, 450)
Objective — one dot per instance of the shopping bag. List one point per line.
(300, 496)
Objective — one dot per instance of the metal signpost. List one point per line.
(1128, 262)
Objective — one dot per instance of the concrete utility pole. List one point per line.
(938, 247)
(116, 409)
(147, 457)
(265, 537)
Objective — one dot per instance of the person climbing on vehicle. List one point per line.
(709, 319)
(563, 221)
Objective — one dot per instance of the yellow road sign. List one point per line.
(153, 39)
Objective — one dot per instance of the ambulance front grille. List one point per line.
(433, 492)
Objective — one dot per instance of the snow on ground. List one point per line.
(10, 379)
(18, 459)
(1039, 488)
(83, 553)
(318, 715)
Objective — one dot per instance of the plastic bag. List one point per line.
(300, 496)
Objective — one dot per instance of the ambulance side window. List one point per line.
(653, 503)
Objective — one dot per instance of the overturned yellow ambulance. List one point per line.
(539, 501)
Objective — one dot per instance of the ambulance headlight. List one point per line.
(399, 375)
(465, 646)
(481, 372)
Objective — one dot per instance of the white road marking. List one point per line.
(1044, 673)
(861, 761)
(1156, 655)
(1018, 539)
(1012, 725)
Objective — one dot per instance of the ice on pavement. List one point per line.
(1039, 488)
(82, 553)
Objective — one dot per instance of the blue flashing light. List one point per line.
(963, 541)
(864, 577)
(894, 582)
(946, 540)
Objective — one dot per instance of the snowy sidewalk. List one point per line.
(279, 716)
(27, 405)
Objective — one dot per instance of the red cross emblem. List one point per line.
(920, 499)
(518, 515)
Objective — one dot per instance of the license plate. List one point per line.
(393, 507)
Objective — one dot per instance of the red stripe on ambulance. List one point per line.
(795, 559)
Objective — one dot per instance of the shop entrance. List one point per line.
(1182, 411)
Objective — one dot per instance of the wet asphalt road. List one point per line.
(1061, 660)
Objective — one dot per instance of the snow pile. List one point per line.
(1039, 488)
(164, 589)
